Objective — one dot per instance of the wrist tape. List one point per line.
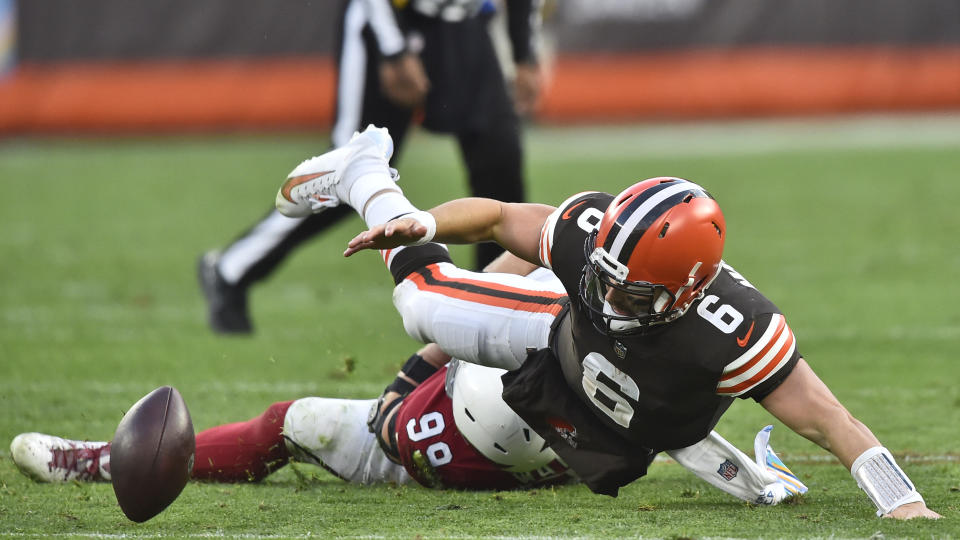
(427, 220)
(400, 386)
(883, 480)
(418, 369)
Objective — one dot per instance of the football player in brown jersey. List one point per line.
(654, 336)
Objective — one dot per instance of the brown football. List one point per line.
(151, 455)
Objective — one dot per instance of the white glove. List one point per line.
(787, 484)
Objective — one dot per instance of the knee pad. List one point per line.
(333, 434)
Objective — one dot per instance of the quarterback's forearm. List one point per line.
(515, 226)
(468, 220)
(805, 404)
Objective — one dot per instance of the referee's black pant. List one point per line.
(468, 98)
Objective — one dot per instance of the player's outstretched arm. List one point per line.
(515, 226)
(805, 404)
(402, 231)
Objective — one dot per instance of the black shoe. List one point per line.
(226, 303)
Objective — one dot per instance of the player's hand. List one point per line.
(404, 81)
(787, 483)
(912, 510)
(394, 233)
(526, 88)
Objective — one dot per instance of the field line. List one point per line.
(251, 536)
(322, 535)
(309, 535)
(294, 389)
(826, 459)
(744, 137)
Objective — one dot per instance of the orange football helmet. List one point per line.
(657, 247)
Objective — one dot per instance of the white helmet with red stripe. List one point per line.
(491, 426)
(657, 247)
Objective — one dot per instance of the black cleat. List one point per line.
(226, 303)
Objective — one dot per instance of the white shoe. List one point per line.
(319, 182)
(46, 458)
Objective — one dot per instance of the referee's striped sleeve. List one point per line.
(383, 21)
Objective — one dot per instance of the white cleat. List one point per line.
(318, 183)
(46, 458)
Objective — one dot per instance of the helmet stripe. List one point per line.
(648, 211)
(624, 211)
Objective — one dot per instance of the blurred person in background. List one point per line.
(398, 61)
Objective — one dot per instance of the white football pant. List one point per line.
(475, 331)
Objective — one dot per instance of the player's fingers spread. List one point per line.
(358, 239)
(351, 250)
(357, 244)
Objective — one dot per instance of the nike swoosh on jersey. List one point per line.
(742, 342)
(772, 351)
(567, 214)
(546, 232)
(298, 180)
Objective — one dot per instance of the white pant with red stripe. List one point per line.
(490, 319)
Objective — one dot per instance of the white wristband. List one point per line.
(878, 474)
(427, 220)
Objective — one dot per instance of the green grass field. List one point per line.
(852, 228)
